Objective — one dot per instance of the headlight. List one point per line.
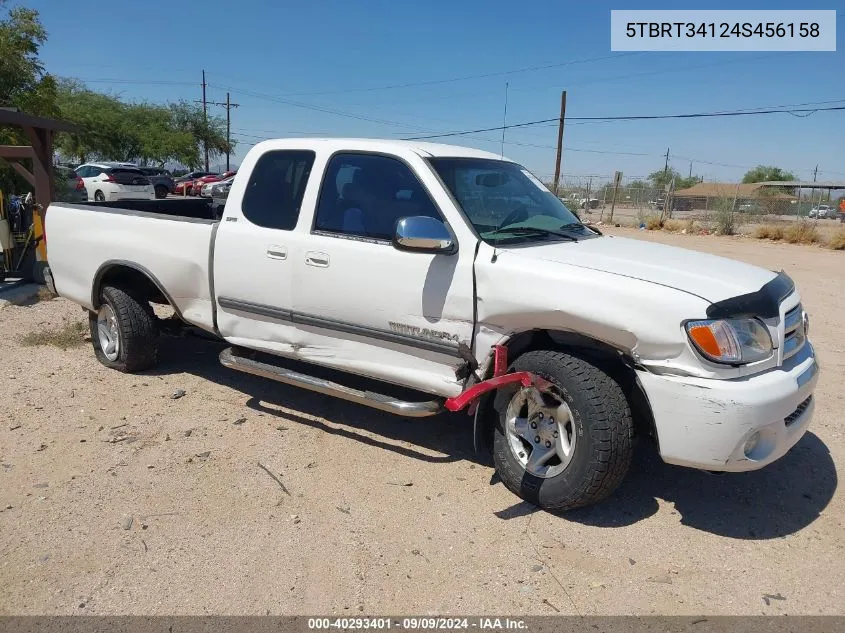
(732, 341)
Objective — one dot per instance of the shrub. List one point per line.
(652, 223)
(802, 232)
(673, 226)
(724, 217)
(769, 232)
(837, 240)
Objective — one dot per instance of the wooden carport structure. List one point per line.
(39, 131)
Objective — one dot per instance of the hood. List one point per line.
(710, 277)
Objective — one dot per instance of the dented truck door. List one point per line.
(365, 306)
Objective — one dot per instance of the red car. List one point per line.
(187, 181)
(199, 182)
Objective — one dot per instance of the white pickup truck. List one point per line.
(455, 273)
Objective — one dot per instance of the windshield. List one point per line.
(496, 195)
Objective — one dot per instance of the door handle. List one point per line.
(313, 258)
(277, 252)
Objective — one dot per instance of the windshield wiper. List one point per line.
(579, 225)
(531, 230)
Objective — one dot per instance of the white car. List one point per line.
(208, 189)
(115, 181)
(822, 211)
(456, 273)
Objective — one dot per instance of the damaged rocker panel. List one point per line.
(441, 344)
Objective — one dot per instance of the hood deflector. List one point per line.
(764, 302)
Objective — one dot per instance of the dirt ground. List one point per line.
(116, 498)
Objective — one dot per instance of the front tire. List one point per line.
(160, 191)
(124, 331)
(581, 456)
(99, 196)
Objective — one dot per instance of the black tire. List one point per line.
(601, 418)
(161, 191)
(137, 331)
(99, 196)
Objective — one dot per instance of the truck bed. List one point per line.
(168, 240)
(197, 208)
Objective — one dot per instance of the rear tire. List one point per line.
(99, 196)
(160, 191)
(130, 343)
(600, 421)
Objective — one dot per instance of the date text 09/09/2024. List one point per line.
(418, 624)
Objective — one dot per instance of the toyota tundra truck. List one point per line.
(454, 275)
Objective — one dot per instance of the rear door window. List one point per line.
(273, 195)
(127, 176)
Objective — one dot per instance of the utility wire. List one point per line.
(434, 82)
(644, 117)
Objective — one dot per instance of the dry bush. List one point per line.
(837, 240)
(802, 232)
(674, 226)
(70, 334)
(652, 223)
(724, 216)
(769, 232)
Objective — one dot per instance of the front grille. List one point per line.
(793, 332)
(798, 412)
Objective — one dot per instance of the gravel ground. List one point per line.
(118, 498)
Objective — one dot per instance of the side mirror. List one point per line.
(423, 234)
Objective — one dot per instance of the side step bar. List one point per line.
(229, 358)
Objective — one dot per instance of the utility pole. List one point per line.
(666, 166)
(560, 138)
(815, 173)
(228, 105)
(228, 128)
(504, 120)
(690, 170)
(205, 118)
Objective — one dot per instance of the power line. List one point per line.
(642, 117)
(434, 82)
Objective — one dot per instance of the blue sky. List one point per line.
(322, 67)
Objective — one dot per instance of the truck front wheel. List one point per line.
(568, 446)
(124, 331)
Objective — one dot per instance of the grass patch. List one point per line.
(44, 294)
(652, 223)
(769, 232)
(802, 232)
(837, 240)
(674, 226)
(70, 334)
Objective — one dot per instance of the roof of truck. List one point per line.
(385, 145)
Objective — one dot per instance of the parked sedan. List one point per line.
(69, 186)
(199, 183)
(184, 184)
(163, 182)
(108, 181)
(213, 189)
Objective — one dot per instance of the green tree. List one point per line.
(210, 131)
(143, 132)
(23, 80)
(661, 178)
(24, 84)
(767, 173)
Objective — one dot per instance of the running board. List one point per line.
(230, 359)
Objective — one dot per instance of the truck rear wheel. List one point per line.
(124, 331)
(568, 446)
